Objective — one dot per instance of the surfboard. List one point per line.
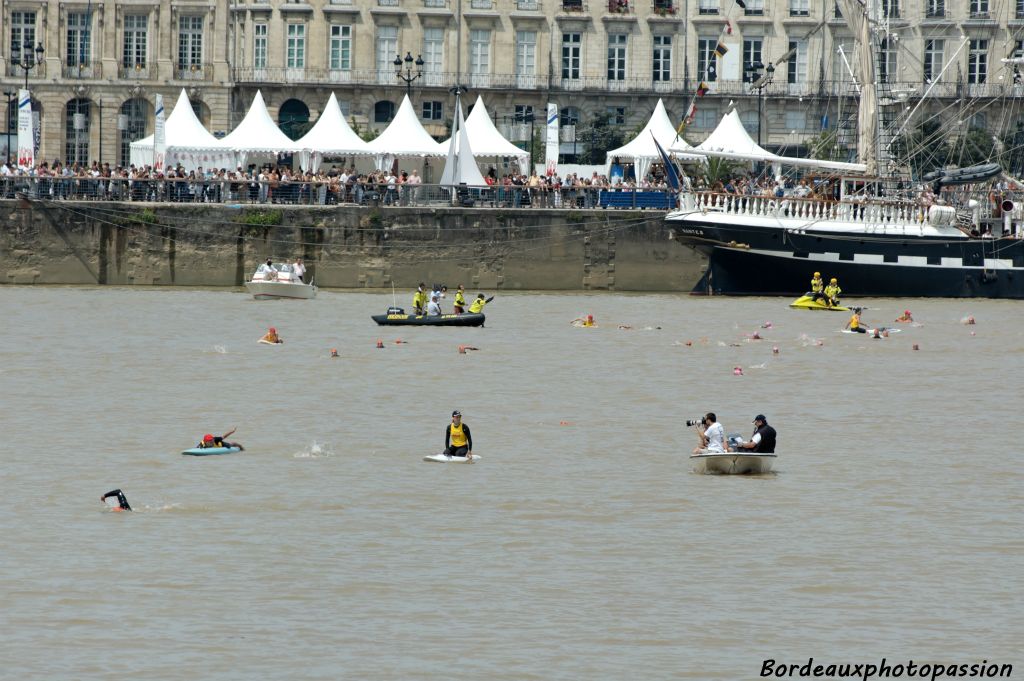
(441, 458)
(210, 451)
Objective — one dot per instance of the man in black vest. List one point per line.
(763, 439)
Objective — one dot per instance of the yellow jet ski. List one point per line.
(807, 302)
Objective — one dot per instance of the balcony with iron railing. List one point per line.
(435, 4)
(664, 8)
(13, 69)
(619, 7)
(133, 71)
(485, 5)
(388, 3)
(81, 71)
(193, 72)
(574, 6)
(936, 10)
(528, 5)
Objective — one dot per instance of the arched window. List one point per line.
(77, 113)
(293, 118)
(131, 123)
(383, 111)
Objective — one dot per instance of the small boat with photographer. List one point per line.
(279, 281)
(396, 316)
(732, 463)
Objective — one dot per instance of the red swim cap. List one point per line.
(207, 438)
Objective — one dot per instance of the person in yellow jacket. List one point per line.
(832, 292)
(460, 300)
(854, 323)
(478, 304)
(457, 439)
(419, 300)
(817, 286)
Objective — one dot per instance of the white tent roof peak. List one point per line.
(405, 136)
(642, 148)
(332, 135)
(257, 132)
(183, 130)
(731, 137)
(485, 138)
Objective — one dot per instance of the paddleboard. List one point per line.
(210, 451)
(266, 342)
(871, 332)
(441, 458)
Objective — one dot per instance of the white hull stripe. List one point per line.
(877, 260)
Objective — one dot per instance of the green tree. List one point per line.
(825, 146)
(973, 148)
(597, 138)
(717, 169)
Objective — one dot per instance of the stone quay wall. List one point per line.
(106, 243)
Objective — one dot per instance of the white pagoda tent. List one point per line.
(330, 136)
(188, 142)
(642, 149)
(731, 140)
(404, 137)
(460, 167)
(258, 135)
(485, 139)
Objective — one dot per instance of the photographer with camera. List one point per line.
(763, 439)
(711, 435)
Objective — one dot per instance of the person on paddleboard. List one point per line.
(457, 439)
(854, 323)
(210, 441)
(122, 500)
(763, 439)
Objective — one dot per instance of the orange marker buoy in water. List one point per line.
(380, 344)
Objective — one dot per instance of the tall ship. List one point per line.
(872, 225)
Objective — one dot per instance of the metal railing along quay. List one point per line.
(320, 193)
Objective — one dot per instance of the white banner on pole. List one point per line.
(26, 133)
(159, 137)
(551, 148)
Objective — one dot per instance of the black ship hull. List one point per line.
(745, 260)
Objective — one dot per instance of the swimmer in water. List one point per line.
(271, 337)
(122, 500)
(334, 352)
(905, 317)
(584, 321)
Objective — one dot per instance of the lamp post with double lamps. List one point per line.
(407, 77)
(760, 82)
(30, 58)
(11, 96)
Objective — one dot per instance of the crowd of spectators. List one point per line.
(282, 185)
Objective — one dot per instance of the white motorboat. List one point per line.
(278, 282)
(731, 463)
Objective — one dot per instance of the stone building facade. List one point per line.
(105, 60)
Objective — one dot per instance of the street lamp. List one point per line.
(762, 80)
(407, 77)
(30, 58)
(11, 96)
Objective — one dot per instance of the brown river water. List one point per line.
(580, 547)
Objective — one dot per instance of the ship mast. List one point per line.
(857, 14)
